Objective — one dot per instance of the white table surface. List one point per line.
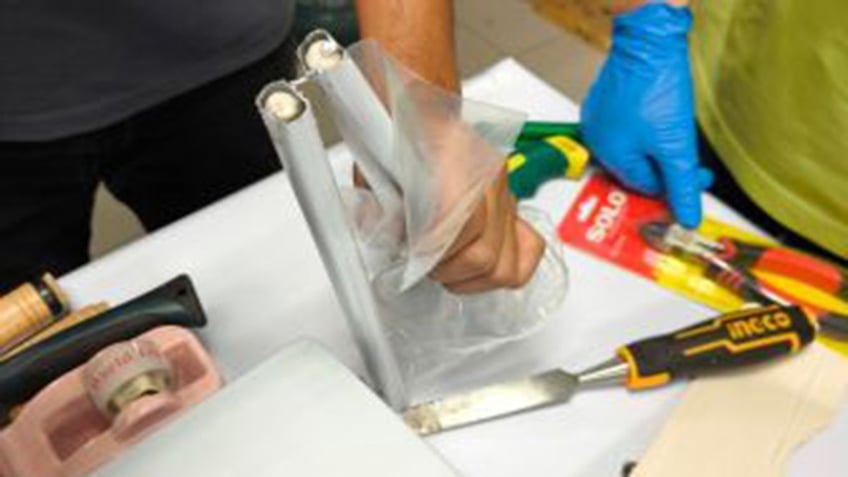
(262, 283)
(309, 411)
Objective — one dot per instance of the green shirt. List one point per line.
(772, 91)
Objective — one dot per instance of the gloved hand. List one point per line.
(638, 119)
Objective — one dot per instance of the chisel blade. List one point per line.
(491, 402)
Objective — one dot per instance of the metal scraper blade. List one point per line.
(491, 402)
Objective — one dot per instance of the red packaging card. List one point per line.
(605, 221)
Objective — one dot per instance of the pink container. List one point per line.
(62, 432)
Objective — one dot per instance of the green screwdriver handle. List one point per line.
(535, 130)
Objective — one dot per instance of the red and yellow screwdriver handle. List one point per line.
(728, 341)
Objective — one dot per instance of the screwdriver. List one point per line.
(729, 341)
(535, 162)
(535, 130)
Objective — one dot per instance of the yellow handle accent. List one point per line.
(791, 338)
(578, 156)
(635, 380)
(515, 161)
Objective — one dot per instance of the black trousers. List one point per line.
(163, 163)
(728, 190)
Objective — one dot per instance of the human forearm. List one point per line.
(418, 33)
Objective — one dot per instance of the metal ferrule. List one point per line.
(611, 372)
(52, 295)
(147, 384)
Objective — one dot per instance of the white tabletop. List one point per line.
(262, 284)
(298, 428)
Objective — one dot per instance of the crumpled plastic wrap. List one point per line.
(428, 155)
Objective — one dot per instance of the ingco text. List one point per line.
(758, 325)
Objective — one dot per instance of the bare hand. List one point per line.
(496, 248)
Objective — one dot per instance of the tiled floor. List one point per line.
(486, 31)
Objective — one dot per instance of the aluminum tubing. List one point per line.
(293, 129)
(362, 116)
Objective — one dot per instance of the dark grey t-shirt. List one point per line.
(70, 66)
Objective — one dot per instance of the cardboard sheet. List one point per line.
(747, 424)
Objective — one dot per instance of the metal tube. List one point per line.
(291, 124)
(360, 115)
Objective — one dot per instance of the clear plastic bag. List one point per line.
(428, 155)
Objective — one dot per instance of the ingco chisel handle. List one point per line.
(728, 341)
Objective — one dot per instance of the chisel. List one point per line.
(728, 341)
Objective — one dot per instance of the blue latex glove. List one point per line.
(638, 119)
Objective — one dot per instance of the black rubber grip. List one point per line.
(173, 303)
(727, 341)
